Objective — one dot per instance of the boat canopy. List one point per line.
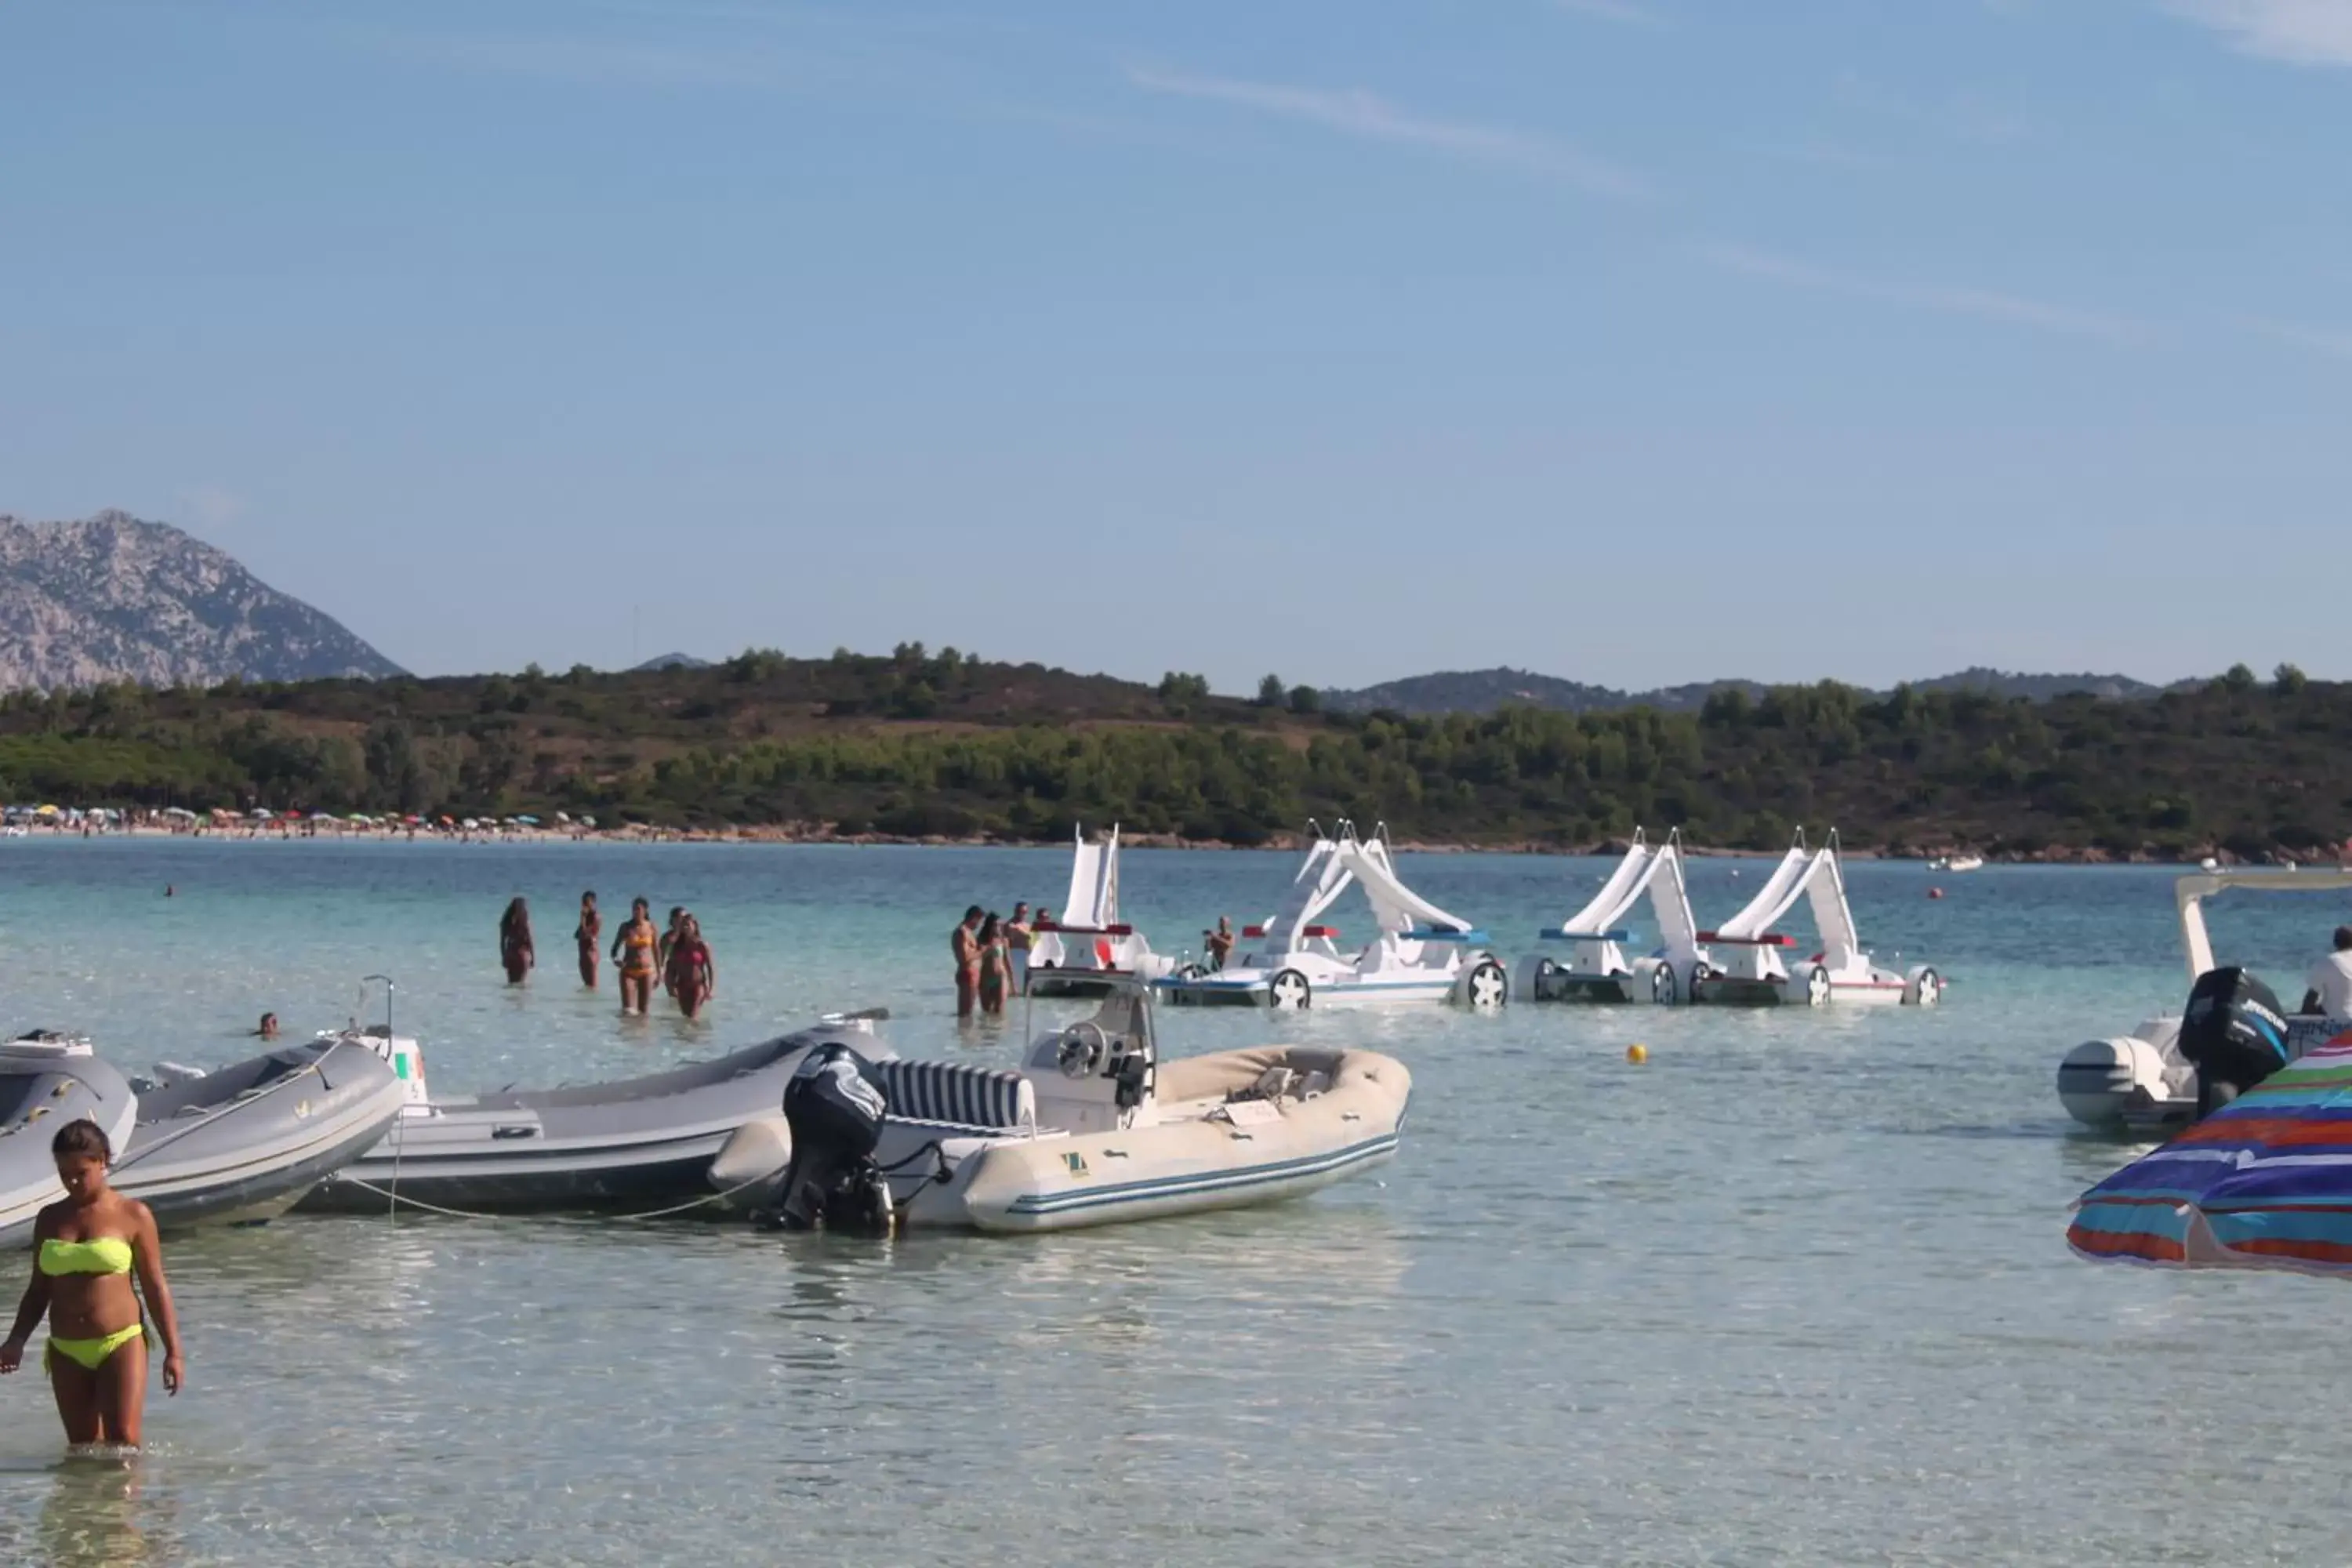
(1802, 873)
(2192, 891)
(1655, 872)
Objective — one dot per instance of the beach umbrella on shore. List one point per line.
(261, 814)
(527, 821)
(2264, 1183)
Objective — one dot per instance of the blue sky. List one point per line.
(1632, 341)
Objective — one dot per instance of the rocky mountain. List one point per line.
(1483, 690)
(112, 598)
(671, 661)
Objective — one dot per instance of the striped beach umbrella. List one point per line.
(2264, 1183)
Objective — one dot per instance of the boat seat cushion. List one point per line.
(956, 1093)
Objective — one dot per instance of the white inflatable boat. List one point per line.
(46, 1080)
(2139, 1081)
(1747, 963)
(1594, 968)
(1095, 1129)
(1418, 951)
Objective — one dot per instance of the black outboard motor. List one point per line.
(835, 1103)
(2234, 1032)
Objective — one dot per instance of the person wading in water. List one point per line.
(692, 974)
(966, 945)
(590, 934)
(515, 949)
(636, 951)
(87, 1246)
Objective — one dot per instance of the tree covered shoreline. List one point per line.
(921, 745)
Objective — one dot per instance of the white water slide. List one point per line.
(1088, 943)
(1596, 969)
(1322, 876)
(1397, 910)
(1801, 874)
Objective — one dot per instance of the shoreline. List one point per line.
(800, 833)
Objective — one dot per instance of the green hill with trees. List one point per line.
(922, 744)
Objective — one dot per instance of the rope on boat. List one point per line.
(396, 1198)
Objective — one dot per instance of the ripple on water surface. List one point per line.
(1794, 1290)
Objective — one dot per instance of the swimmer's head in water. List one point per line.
(268, 1029)
(82, 1154)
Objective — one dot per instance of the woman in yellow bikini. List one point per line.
(637, 949)
(87, 1246)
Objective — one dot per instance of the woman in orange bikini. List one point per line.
(87, 1246)
(637, 949)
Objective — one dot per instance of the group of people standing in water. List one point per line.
(991, 954)
(678, 957)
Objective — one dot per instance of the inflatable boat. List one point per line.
(639, 1141)
(46, 1080)
(2140, 1081)
(1094, 1129)
(244, 1143)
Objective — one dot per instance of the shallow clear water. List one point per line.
(1796, 1290)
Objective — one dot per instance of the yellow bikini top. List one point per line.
(106, 1255)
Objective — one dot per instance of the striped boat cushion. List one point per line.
(951, 1092)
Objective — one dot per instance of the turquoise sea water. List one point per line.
(1796, 1290)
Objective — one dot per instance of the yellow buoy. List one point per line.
(1637, 1054)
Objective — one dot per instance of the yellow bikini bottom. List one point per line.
(91, 1354)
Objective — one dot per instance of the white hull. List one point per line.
(1201, 1153)
(1257, 991)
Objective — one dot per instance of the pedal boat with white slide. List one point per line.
(46, 1080)
(2139, 1081)
(1420, 953)
(1595, 967)
(647, 1140)
(1087, 950)
(1747, 963)
(1096, 1128)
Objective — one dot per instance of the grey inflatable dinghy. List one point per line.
(45, 1081)
(242, 1144)
(639, 1141)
